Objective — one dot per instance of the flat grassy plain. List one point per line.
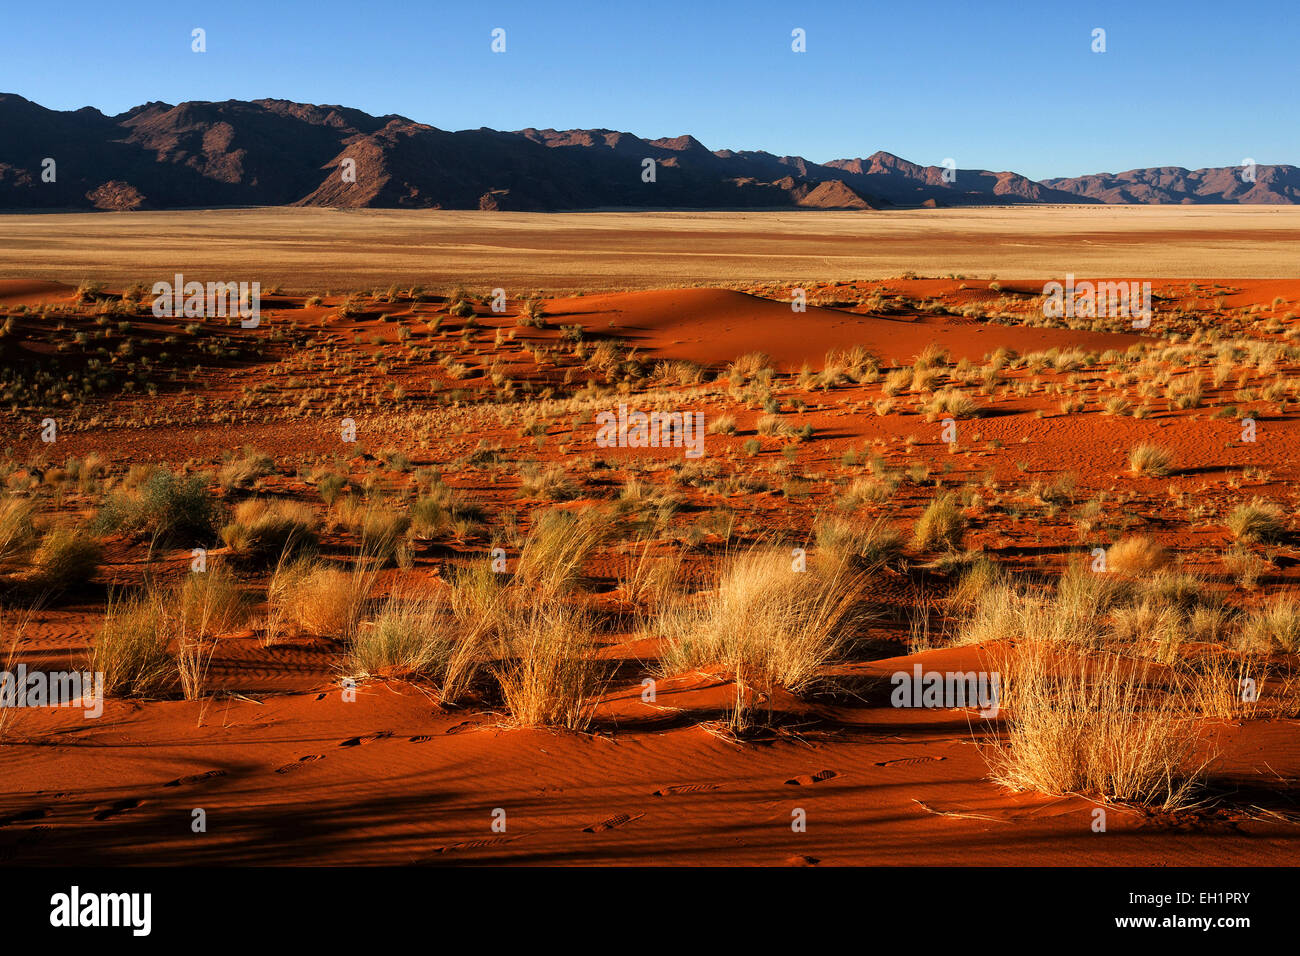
(307, 250)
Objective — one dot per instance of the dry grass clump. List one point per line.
(17, 528)
(1076, 613)
(164, 506)
(951, 403)
(448, 636)
(66, 557)
(195, 612)
(13, 629)
(242, 471)
(764, 625)
(210, 602)
(131, 649)
(411, 633)
(549, 675)
(551, 484)
(1104, 726)
(647, 503)
(1138, 554)
(978, 577)
(539, 649)
(383, 536)
(940, 525)
(865, 547)
(558, 545)
(265, 528)
(1260, 520)
(1245, 566)
(1224, 685)
(319, 600)
(1150, 460)
(862, 491)
(751, 365)
(722, 425)
(1276, 625)
(651, 582)
(164, 635)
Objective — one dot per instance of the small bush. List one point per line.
(940, 525)
(131, 649)
(263, 529)
(1258, 521)
(1139, 554)
(1150, 460)
(65, 559)
(1275, 625)
(165, 506)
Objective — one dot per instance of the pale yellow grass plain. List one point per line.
(307, 250)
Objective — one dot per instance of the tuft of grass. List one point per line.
(242, 471)
(851, 544)
(264, 528)
(131, 650)
(167, 507)
(66, 558)
(17, 528)
(550, 484)
(411, 633)
(556, 548)
(1138, 554)
(1274, 625)
(1259, 520)
(978, 578)
(940, 525)
(722, 425)
(321, 601)
(952, 403)
(1150, 460)
(764, 625)
(1097, 727)
(550, 675)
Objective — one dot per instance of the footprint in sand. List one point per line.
(25, 841)
(302, 762)
(808, 779)
(685, 788)
(420, 739)
(366, 738)
(474, 844)
(194, 778)
(118, 807)
(463, 726)
(908, 761)
(612, 823)
(22, 816)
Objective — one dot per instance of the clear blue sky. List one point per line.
(994, 85)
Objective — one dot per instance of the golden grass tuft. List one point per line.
(1106, 726)
(1153, 461)
(1138, 554)
(764, 624)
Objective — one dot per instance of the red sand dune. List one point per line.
(713, 326)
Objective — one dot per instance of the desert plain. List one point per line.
(368, 583)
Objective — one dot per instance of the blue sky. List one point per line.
(994, 85)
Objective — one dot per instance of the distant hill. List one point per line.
(275, 152)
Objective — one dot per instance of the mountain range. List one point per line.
(276, 152)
